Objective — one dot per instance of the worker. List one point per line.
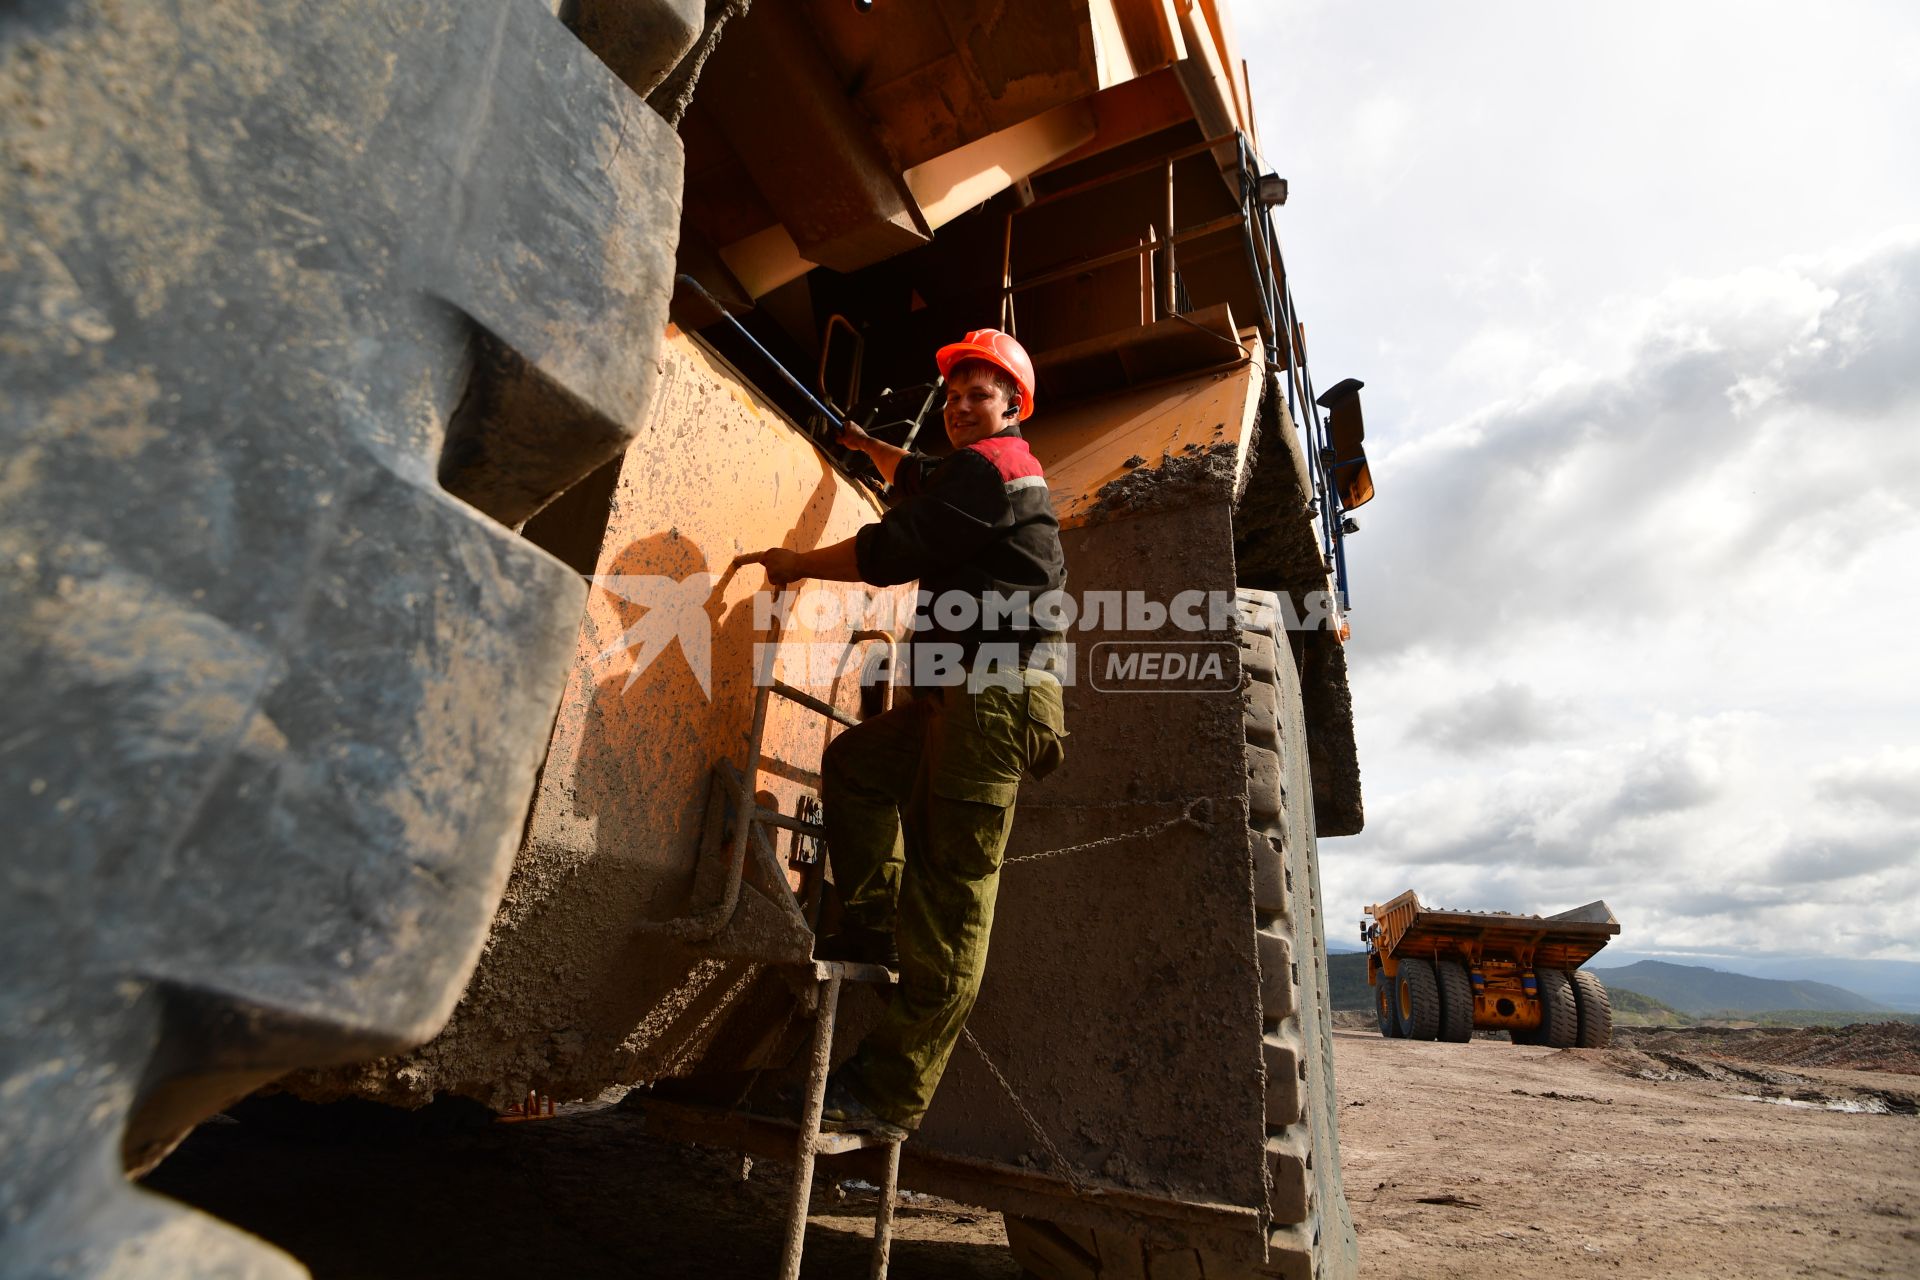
(919, 801)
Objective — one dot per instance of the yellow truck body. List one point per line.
(1446, 974)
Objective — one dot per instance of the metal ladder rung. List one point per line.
(775, 818)
(831, 1143)
(854, 971)
(812, 703)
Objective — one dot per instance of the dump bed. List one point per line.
(1402, 927)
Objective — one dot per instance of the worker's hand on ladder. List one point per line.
(853, 436)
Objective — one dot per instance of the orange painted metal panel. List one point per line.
(718, 473)
(1181, 422)
(613, 835)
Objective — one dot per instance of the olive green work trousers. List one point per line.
(918, 804)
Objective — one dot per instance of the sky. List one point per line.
(1635, 290)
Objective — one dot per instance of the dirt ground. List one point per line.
(1675, 1158)
(1486, 1158)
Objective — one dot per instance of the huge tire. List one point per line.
(1386, 1009)
(1560, 1026)
(1312, 1229)
(1417, 992)
(1595, 1010)
(1456, 1001)
(287, 689)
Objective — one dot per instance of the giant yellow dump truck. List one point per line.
(1442, 975)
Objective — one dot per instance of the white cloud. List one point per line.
(1743, 443)
(1502, 716)
(1617, 638)
(1379, 138)
(1888, 782)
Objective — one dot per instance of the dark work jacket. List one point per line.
(977, 522)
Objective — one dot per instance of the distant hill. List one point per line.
(1893, 983)
(1697, 991)
(1347, 981)
(1631, 1009)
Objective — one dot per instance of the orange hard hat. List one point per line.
(996, 348)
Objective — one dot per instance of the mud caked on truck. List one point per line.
(386, 719)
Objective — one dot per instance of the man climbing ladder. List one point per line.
(919, 801)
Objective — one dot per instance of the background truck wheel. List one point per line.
(1595, 1010)
(1456, 1001)
(1560, 1024)
(1418, 991)
(1386, 1008)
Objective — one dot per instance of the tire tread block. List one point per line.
(1561, 1026)
(1262, 718)
(1594, 1010)
(1270, 895)
(1266, 783)
(1282, 1055)
(1456, 1001)
(1279, 995)
(1290, 1197)
(1419, 993)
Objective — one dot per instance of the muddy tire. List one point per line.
(1560, 1025)
(288, 687)
(1386, 1009)
(1311, 1229)
(1595, 1011)
(1418, 995)
(1456, 1001)
(1311, 1233)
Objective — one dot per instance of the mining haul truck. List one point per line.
(1442, 975)
(390, 387)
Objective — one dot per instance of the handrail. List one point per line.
(1161, 292)
(1082, 265)
(826, 352)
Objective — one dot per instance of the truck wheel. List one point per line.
(1560, 1027)
(1595, 1010)
(1311, 1228)
(1456, 1001)
(1418, 991)
(1385, 1008)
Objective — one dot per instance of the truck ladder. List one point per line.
(753, 1133)
(816, 1142)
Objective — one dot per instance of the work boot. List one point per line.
(856, 945)
(845, 1113)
